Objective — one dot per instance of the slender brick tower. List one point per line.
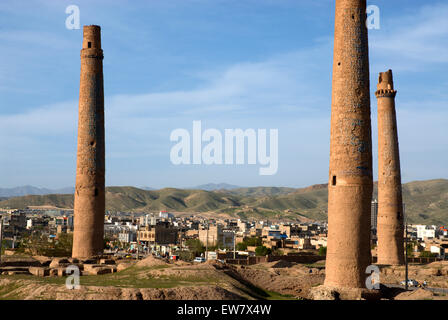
(390, 204)
(90, 171)
(350, 185)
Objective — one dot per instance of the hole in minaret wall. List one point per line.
(89, 44)
(333, 182)
(96, 192)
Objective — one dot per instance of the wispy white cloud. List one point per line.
(413, 41)
(245, 95)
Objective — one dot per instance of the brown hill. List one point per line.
(426, 201)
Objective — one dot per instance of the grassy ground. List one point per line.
(277, 296)
(7, 289)
(316, 264)
(134, 277)
(129, 278)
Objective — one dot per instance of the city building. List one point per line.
(165, 215)
(374, 215)
(160, 234)
(127, 236)
(426, 232)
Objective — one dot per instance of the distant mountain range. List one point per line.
(206, 187)
(426, 201)
(30, 190)
(216, 186)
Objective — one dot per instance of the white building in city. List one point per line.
(148, 220)
(127, 236)
(165, 215)
(426, 232)
(438, 250)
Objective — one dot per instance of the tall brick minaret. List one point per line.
(390, 204)
(90, 172)
(350, 181)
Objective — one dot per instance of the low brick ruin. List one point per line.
(57, 267)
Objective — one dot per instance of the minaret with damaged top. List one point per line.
(390, 203)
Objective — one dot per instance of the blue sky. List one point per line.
(231, 64)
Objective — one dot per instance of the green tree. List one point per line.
(195, 246)
(241, 246)
(5, 245)
(323, 251)
(277, 252)
(37, 244)
(63, 245)
(410, 249)
(184, 255)
(253, 241)
(262, 251)
(428, 254)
